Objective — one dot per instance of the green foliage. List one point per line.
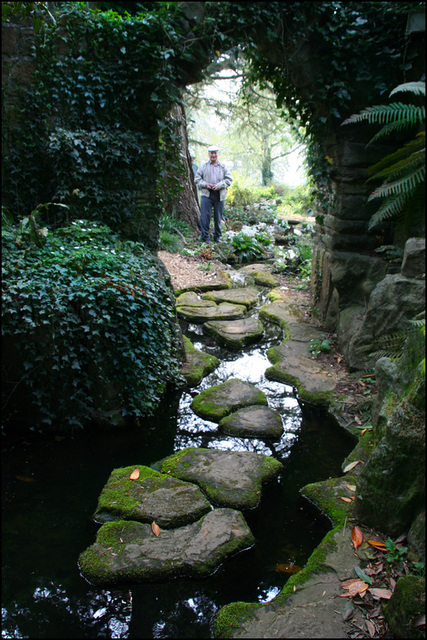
(402, 172)
(396, 553)
(87, 326)
(38, 11)
(248, 248)
(319, 345)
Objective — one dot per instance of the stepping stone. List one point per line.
(228, 478)
(220, 400)
(152, 496)
(235, 334)
(225, 311)
(197, 364)
(127, 551)
(261, 275)
(253, 422)
(191, 299)
(245, 295)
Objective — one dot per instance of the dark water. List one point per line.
(50, 489)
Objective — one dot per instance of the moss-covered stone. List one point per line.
(152, 496)
(327, 496)
(127, 551)
(197, 364)
(229, 478)
(235, 334)
(405, 605)
(222, 399)
(247, 296)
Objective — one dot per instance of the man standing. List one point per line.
(212, 178)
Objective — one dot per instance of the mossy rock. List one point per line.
(220, 400)
(405, 606)
(247, 296)
(152, 496)
(127, 551)
(253, 422)
(197, 364)
(235, 334)
(229, 478)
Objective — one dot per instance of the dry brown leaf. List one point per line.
(355, 587)
(155, 528)
(362, 432)
(351, 466)
(356, 537)
(357, 419)
(351, 487)
(371, 628)
(377, 544)
(345, 499)
(135, 474)
(381, 593)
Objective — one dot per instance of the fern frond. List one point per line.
(406, 185)
(417, 144)
(417, 88)
(391, 208)
(390, 345)
(392, 127)
(412, 163)
(383, 114)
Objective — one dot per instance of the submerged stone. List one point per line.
(127, 551)
(245, 295)
(197, 364)
(234, 334)
(152, 496)
(220, 400)
(253, 422)
(229, 478)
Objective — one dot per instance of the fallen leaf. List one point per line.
(377, 544)
(288, 568)
(362, 432)
(356, 537)
(345, 499)
(381, 593)
(135, 474)
(351, 466)
(371, 628)
(352, 487)
(155, 528)
(400, 539)
(25, 478)
(355, 587)
(362, 575)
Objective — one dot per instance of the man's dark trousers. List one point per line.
(206, 205)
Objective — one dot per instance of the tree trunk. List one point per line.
(186, 207)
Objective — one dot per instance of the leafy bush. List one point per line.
(88, 328)
(248, 247)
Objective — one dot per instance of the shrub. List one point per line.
(88, 326)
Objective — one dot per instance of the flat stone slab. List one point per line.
(221, 399)
(253, 422)
(313, 610)
(223, 311)
(197, 364)
(244, 295)
(228, 478)
(292, 363)
(192, 299)
(235, 334)
(127, 551)
(152, 496)
(261, 275)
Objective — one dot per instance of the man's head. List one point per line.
(213, 153)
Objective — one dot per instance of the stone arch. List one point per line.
(345, 270)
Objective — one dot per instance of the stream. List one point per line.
(51, 485)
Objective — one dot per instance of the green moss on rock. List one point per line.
(405, 605)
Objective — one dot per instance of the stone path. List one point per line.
(183, 516)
